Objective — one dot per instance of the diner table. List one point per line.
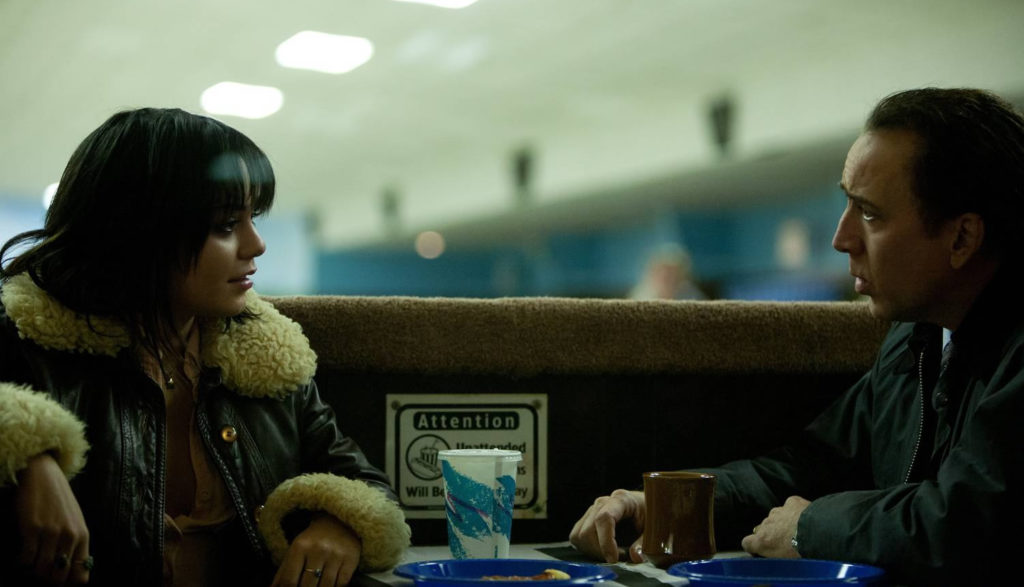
(627, 574)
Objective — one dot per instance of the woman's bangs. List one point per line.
(261, 182)
(242, 180)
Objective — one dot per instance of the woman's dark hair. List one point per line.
(970, 158)
(134, 206)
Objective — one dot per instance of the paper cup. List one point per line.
(479, 494)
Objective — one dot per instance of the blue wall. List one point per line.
(732, 250)
(18, 215)
(286, 268)
(733, 254)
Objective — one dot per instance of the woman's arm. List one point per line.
(345, 485)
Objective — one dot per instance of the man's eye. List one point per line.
(866, 214)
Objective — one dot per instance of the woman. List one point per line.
(158, 420)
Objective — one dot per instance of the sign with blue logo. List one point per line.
(420, 425)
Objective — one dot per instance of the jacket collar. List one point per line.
(991, 323)
(267, 356)
(986, 329)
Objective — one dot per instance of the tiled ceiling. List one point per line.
(605, 93)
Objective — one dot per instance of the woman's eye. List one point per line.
(227, 226)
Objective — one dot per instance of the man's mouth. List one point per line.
(860, 285)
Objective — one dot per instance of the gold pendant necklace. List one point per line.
(168, 379)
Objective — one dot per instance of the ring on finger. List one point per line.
(88, 563)
(316, 572)
(61, 561)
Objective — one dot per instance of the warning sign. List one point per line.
(421, 425)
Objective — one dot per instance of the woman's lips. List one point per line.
(244, 282)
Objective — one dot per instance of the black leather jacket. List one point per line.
(918, 474)
(258, 438)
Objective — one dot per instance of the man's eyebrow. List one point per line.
(858, 199)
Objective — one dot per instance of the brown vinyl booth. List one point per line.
(631, 386)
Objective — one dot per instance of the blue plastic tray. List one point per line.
(469, 572)
(777, 572)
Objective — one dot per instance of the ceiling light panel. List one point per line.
(324, 52)
(443, 3)
(244, 100)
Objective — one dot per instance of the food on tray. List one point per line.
(547, 575)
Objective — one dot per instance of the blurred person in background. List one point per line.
(918, 468)
(160, 423)
(668, 275)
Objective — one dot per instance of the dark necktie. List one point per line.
(947, 352)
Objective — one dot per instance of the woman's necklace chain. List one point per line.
(168, 377)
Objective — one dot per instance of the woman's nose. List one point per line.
(254, 246)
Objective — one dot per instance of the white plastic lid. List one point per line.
(501, 454)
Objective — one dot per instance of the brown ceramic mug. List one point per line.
(680, 522)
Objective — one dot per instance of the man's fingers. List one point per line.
(583, 534)
(748, 543)
(594, 533)
(574, 534)
(636, 554)
(604, 525)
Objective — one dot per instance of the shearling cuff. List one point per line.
(32, 424)
(377, 520)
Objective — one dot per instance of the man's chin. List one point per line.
(879, 311)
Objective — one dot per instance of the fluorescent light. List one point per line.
(244, 100)
(443, 3)
(324, 52)
(48, 194)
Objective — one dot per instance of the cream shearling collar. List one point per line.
(267, 356)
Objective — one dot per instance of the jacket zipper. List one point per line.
(920, 423)
(160, 426)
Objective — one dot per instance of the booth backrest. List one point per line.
(628, 386)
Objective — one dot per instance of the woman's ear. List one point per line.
(968, 236)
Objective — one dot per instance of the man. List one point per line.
(919, 467)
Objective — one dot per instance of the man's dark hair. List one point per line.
(136, 203)
(970, 158)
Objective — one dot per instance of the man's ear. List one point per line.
(968, 235)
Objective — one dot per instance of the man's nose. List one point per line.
(845, 239)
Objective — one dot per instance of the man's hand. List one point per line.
(325, 553)
(773, 537)
(594, 533)
(55, 539)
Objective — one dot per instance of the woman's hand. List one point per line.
(55, 539)
(325, 553)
